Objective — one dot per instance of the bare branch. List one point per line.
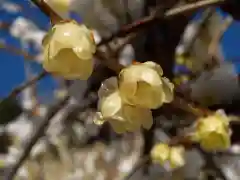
(19, 89)
(16, 51)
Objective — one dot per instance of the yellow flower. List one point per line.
(62, 7)
(176, 157)
(68, 51)
(121, 116)
(143, 85)
(162, 153)
(213, 132)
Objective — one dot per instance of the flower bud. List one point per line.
(68, 51)
(122, 117)
(213, 132)
(163, 153)
(143, 85)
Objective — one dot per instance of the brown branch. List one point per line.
(192, 7)
(30, 82)
(19, 89)
(191, 108)
(127, 40)
(16, 51)
(144, 22)
(4, 25)
(54, 17)
(27, 56)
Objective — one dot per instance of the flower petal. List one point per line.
(154, 66)
(111, 105)
(176, 157)
(160, 153)
(107, 87)
(118, 126)
(132, 116)
(168, 90)
(151, 97)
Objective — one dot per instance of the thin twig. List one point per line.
(4, 25)
(16, 51)
(54, 17)
(192, 7)
(27, 56)
(19, 89)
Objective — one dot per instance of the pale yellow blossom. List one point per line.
(68, 51)
(213, 132)
(163, 153)
(176, 156)
(160, 153)
(143, 85)
(121, 116)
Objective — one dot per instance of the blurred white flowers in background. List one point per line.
(205, 88)
(10, 7)
(28, 33)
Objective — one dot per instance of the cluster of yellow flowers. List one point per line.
(163, 153)
(213, 132)
(126, 102)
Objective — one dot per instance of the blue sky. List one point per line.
(11, 66)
